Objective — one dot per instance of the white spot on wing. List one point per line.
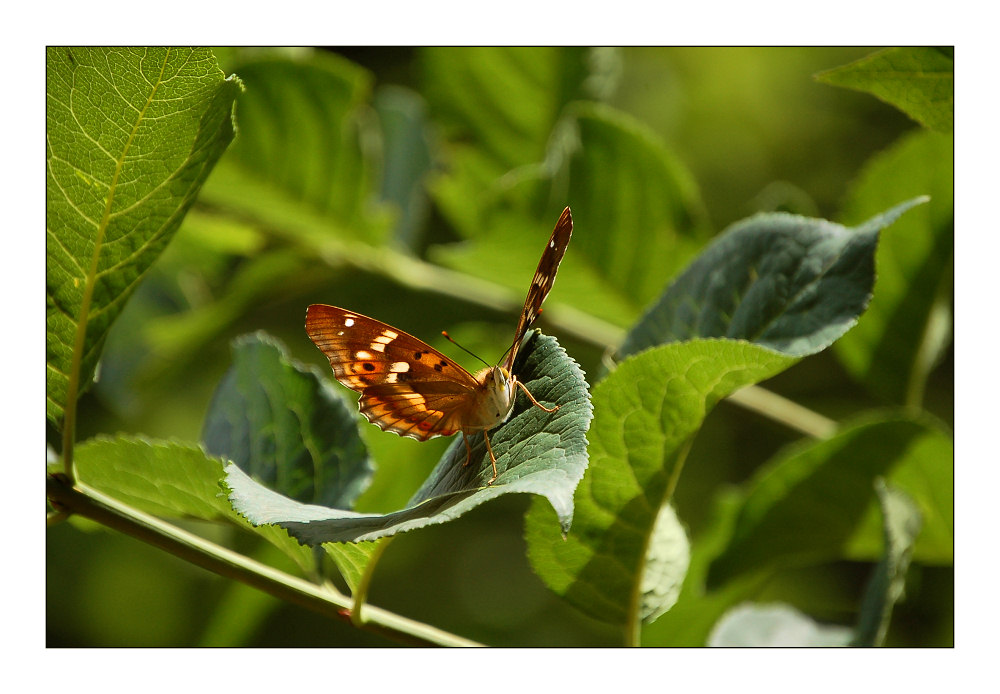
(349, 322)
(400, 367)
(377, 346)
(361, 354)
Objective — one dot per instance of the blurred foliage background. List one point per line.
(755, 131)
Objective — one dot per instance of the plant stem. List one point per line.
(784, 411)
(91, 504)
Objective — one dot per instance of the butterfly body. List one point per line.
(408, 387)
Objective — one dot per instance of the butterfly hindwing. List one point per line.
(406, 386)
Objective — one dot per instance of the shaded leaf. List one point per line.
(286, 425)
(908, 324)
(131, 134)
(790, 283)
(645, 414)
(775, 626)
(537, 452)
(901, 524)
(918, 80)
(809, 503)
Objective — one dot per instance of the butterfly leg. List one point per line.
(532, 398)
(468, 450)
(493, 458)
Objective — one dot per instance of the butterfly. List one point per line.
(409, 388)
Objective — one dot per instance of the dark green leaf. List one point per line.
(286, 425)
(645, 414)
(901, 525)
(908, 324)
(537, 452)
(132, 134)
(789, 283)
(810, 503)
(918, 80)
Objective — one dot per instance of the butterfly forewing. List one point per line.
(406, 386)
(541, 283)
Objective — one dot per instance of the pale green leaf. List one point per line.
(667, 559)
(776, 626)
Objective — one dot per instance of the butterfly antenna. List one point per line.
(452, 341)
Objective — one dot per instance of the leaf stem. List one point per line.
(784, 411)
(91, 504)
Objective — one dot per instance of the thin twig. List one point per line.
(90, 503)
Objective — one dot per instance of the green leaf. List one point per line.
(918, 80)
(645, 414)
(537, 452)
(901, 525)
(131, 134)
(908, 324)
(286, 425)
(170, 479)
(810, 503)
(164, 478)
(691, 620)
(305, 164)
(790, 283)
(776, 626)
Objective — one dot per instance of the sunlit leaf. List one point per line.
(645, 413)
(918, 80)
(131, 135)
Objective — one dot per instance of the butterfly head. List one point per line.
(497, 401)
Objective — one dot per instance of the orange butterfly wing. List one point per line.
(407, 387)
(541, 283)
